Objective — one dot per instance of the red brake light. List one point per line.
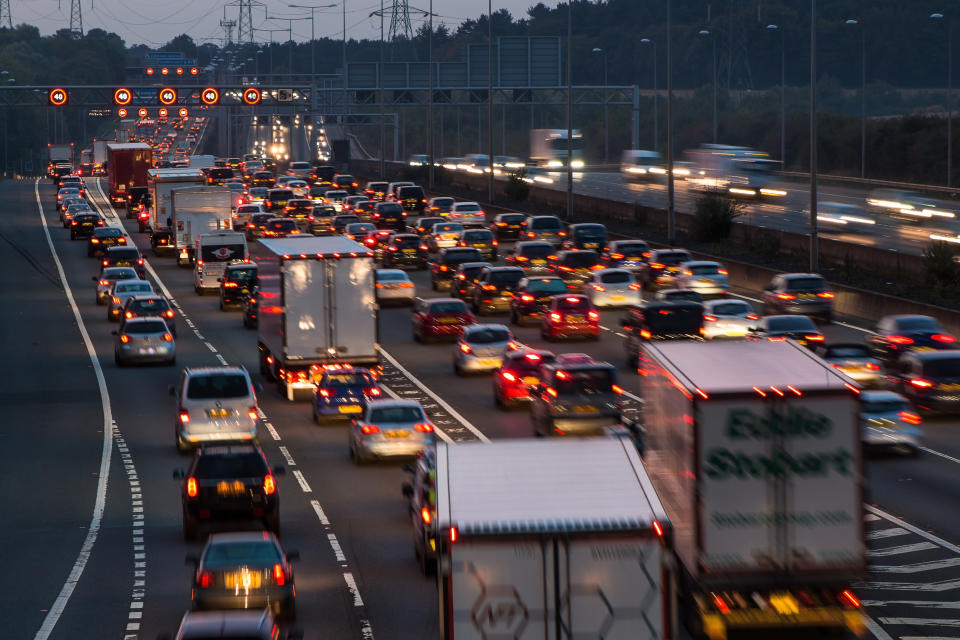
(252, 413)
(506, 375)
(710, 318)
(372, 391)
(327, 393)
(826, 294)
(920, 383)
(941, 337)
(526, 297)
(167, 337)
(786, 296)
(192, 487)
(593, 315)
(599, 287)
(367, 429)
(466, 348)
(533, 356)
(617, 389)
(657, 265)
(423, 427)
(124, 338)
(425, 515)
(872, 367)
(752, 316)
(184, 417)
(269, 485)
(900, 339)
(279, 577)
(910, 418)
(555, 317)
(168, 313)
(205, 579)
(850, 599)
(814, 337)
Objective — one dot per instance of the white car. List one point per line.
(394, 285)
(444, 235)
(243, 215)
(706, 277)
(888, 421)
(727, 318)
(468, 214)
(300, 188)
(612, 288)
(481, 347)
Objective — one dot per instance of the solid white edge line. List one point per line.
(438, 399)
(874, 628)
(440, 432)
(58, 606)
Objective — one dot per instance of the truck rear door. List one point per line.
(306, 299)
(354, 307)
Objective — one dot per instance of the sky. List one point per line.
(155, 23)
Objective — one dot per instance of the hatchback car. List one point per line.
(465, 279)
(575, 267)
(214, 404)
(519, 372)
(586, 235)
(929, 379)
(727, 318)
(280, 228)
(469, 214)
(412, 198)
(245, 570)
(612, 288)
(547, 228)
(799, 293)
(258, 224)
(120, 292)
(626, 254)
(394, 285)
(335, 198)
(800, 329)
(480, 239)
(508, 226)
(108, 276)
(227, 483)
(494, 289)
(569, 316)
(440, 206)
(706, 277)
(147, 306)
(343, 393)
(443, 268)
(244, 215)
(236, 283)
(346, 182)
(896, 335)
(532, 296)
(444, 235)
(390, 215)
(236, 625)
(83, 224)
(103, 238)
(404, 250)
(424, 226)
(439, 318)
(124, 256)
(390, 428)
(376, 191)
(481, 347)
(854, 360)
(661, 266)
(660, 320)
(888, 422)
(576, 399)
(533, 256)
(142, 341)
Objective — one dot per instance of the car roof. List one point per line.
(119, 249)
(211, 370)
(579, 366)
(480, 326)
(473, 265)
(712, 303)
(793, 276)
(393, 272)
(142, 320)
(233, 449)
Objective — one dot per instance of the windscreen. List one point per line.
(487, 335)
(545, 224)
(585, 381)
(731, 309)
(233, 554)
(505, 278)
(616, 277)
(140, 328)
(356, 379)
(581, 259)
(280, 194)
(673, 258)
(806, 284)
(703, 270)
(917, 323)
(396, 414)
(244, 465)
(245, 274)
(884, 406)
(220, 386)
(665, 320)
(221, 252)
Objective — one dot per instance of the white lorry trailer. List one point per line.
(195, 211)
(550, 539)
(213, 252)
(60, 153)
(754, 448)
(548, 148)
(317, 309)
(100, 157)
(739, 172)
(162, 183)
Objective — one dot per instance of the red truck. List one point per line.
(127, 166)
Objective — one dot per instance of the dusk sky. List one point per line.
(155, 23)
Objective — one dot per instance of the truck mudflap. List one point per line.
(722, 612)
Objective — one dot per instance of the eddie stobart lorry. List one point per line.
(754, 448)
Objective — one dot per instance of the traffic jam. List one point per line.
(748, 419)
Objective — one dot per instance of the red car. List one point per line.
(569, 316)
(519, 372)
(440, 318)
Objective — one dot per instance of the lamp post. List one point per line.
(656, 137)
(863, 95)
(783, 116)
(713, 40)
(671, 212)
(814, 239)
(289, 35)
(490, 193)
(313, 38)
(430, 141)
(569, 110)
(940, 16)
(606, 120)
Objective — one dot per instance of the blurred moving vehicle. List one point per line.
(799, 293)
(214, 404)
(855, 360)
(343, 393)
(889, 422)
(389, 429)
(394, 285)
(480, 348)
(576, 399)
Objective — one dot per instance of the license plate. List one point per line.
(390, 286)
(784, 603)
(513, 226)
(147, 351)
(350, 408)
(409, 251)
(584, 408)
(448, 320)
(397, 433)
(242, 580)
(616, 298)
(86, 224)
(538, 261)
(531, 380)
(673, 268)
(489, 362)
(949, 387)
(227, 488)
(123, 263)
(244, 290)
(705, 281)
(807, 296)
(218, 413)
(575, 318)
(924, 349)
(590, 245)
(480, 246)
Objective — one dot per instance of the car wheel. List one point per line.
(190, 527)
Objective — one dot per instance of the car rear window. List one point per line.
(232, 554)
(591, 232)
(545, 224)
(505, 277)
(471, 272)
(397, 414)
(732, 309)
(884, 406)
(119, 273)
(443, 202)
(666, 319)
(221, 252)
(391, 276)
(134, 287)
(513, 218)
(246, 273)
(108, 232)
(791, 323)
(942, 368)
(123, 254)
(283, 225)
(704, 270)
(615, 277)
(447, 227)
(220, 174)
(466, 255)
(919, 323)
(851, 351)
(148, 304)
(407, 242)
(535, 251)
(282, 194)
(240, 465)
(217, 386)
(299, 165)
(448, 307)
(468, 208)
(356, 379)
(584, 381)
(806, 284)
(487, 335)
(547, 285)
(260, 218)
(673, 258)
(389, 208)
(580, 259)
(479, 235)
(410, 192)
(137, 328)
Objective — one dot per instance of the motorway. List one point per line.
(357, 577)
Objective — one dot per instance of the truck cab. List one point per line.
(213, 252)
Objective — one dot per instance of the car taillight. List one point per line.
(104, 283)
(184, 417)
(509, 377)
(279, 577)
(596, 267)
(327, 393)
(230, 285)
(872, 367)
(555, 317)
(252, 412)
(94, 241)
(786, 296)
(423, 427)
(425, 515)
(752, 316)
(617, 389)
(367, 429)
(168, 313)
(167, 337)
(900, 339)
(115, 300)
(920, 383)
(269, 485)
(814, 337)
(372, 391)
(526, 297)
(593, 315)
(124, 338)
(910, 418)
(466, 348)
(826, 294)
(599, 287)
(657, 265)
(205, 579)
(941, 337)
(192, 487)
(710, 318)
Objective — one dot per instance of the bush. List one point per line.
(517, 188)
(713, 218)
(939, 268)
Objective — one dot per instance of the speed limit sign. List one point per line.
(167, 96)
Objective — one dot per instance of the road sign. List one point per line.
(121, 113)
(284, 95)
(142, 113)
(57, 97)
(167, 96)
(251, 96)
(184, 112)
(122, 96)
(162, 112)
(210, 96)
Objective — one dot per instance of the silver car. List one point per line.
(391, 428)
(612, 288)
(108, 277)
(121, 291)
(727, 319)
(394, 285)
(481, 347)
(144, 340)
(855, 360)
(889, 421)
(214, 404)
(444, 235)
(706, 277)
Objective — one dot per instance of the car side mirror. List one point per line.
(178, 474)
(192, 560)
(114, 332)
(94, 278)
(293, 555)
(406, 489)
(171, 390)
(279, 470)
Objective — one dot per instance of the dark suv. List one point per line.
(508, 226)
(229, 482)
(799, 294)
(576, 267)
(412, 198)
(346, 182)
(465, 278)
(494, 289)
(124, 257)
(680, 320)
(420, 493)
(442, 270)
(83, 225)
(929, 379)
(532, 296)
(149, 306)
(236, 283)
(575, 399)
(405, 250)
(389, 215)
(586, 235)
(661, 267)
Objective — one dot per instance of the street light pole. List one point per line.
(569, 110)
(713, 39)
(430, 141)
(656, 137)
(383, 114)
(814, 240)
(343, 3)
(783, 107)
(671, 213)
(606, 120)
(940, 16)
(490, 193)
(863, 95)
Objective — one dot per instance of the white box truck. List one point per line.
(548, 148)
(213, 252)
(551, 539)
(754, 448)
(317, 308)
(202, 162)
(738, 172)
(195, 211)
(162, 183)
(100, 157)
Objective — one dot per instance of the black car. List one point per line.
(929, 379)
(236, 283)
(576, 266)
(482, 240)
(586, 235)
(900, 334)
(135, 196)
(800, 329)
(404, 250)
(441, 205)
(376, 191)
(150, 306)
(364, 209)
(626, 254)
(277, 199)
(465, 279)
(346, 182)
(83, 225)
(532, 296)
(322, 175)
(227, 483)
(258, 224)
(412, 198)
(389, 215)
(424, 226)
(680, 320)
(533, 256)
(218, 175)
(341, 221)
(104, 237)
(799, 293)
(250, 306)
(262, 179)
(443, 268)
(124, 257)
(575, 399)
(508, 226)
(661, 267)
(494, 289)
(161, 241)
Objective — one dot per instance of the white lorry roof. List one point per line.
(172, 175)
(117, 146)
(541, 486)
(312, 245)
(719, 367)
